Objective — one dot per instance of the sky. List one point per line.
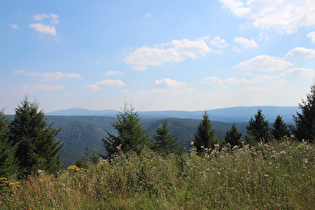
(156, 54)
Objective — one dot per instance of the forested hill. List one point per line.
(79, 132)
(232, 114)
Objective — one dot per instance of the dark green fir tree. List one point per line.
(258, 129)
(233, 137)
(164, 141)
(305, 120)
(8, 166)
(35, 139)
(130, 134)
(204, 137)
(279, 128)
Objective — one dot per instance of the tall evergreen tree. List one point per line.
(8, 164)
(205, 134)
(233, 137)
(35, 139)
(305, 121)
(280, 129)
(258, 129)
(131, 136)
(163, 140)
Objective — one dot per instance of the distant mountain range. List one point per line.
(233, 114)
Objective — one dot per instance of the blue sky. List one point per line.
(158, 55)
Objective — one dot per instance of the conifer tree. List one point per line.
(305, 121)
(35, 139)
(233, 137)
(163, 140)
(205, 134)
(8, 164)
(258, 129)
(130, 134)
(280, 129)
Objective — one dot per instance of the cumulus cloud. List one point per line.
(113, 73)
(41, 87)
(45, 28)
(251, 81)
(245, 43)
(300, 73)
(312, 36)
(49, 76)
(174, 51)
(170, 83)
(15, 26)
(263, 63)
(218, 42)
(301, 52)
(110, 82)
(93, 88)
(279, 15)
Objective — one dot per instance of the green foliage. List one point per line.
(8, 164)
(280, 129)
(204, 137)
(233, 137)
(265, 176)
(305, 121)
(37, 147)
(258, 129)
(131, 136)
(164, 141)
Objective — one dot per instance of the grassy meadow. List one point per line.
(267, 176)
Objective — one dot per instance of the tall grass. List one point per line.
(267, 176)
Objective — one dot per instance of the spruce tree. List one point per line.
(130, 134)
(8, 164)
(163, 140)
(305, 121)
(35, 139)
(205, 134)
(280, 129)
(233, 137)
(258, 129)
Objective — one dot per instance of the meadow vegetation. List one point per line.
(273, 175)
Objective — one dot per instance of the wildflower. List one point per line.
(283, 152)
(219, 173)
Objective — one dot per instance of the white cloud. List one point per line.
(212, 80)
(280, 15)
(257, 79)
(15, 26)
(110, 82)
(301, 52)
(170, 83)
(94, 88)
(218, 42)
(300, 73)
(139, 68)
(312, 36)
(148, 15)
(52, 17)
(49, 76)
(263, 63)
(113, 73)
(44, 29)
(40, 17)
(174, 51)
(41, 87)
(246, 43)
